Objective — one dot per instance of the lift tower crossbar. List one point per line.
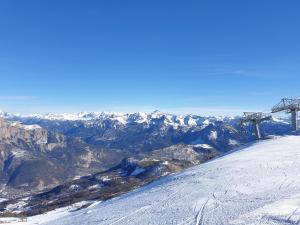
(289, 106)
(255, 118)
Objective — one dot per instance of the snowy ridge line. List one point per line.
(131, 118)
(123, 118)
(96, 115)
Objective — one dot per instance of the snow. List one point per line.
(64, 116)
(179, 120)
(121, 118)
(74, 187)
(142, 118)
(213, 135)
(2, 199)
(31, 127)
(17, 207)
(25, 127)
(256, 185)
(96, 186)
(206, 122)
(18, 153)
(191, 122)
(137, 171)
(233, 142)
(202, 146)
(76, 177)
(47, 217)
(105, 178)
(165, 163)
(285, 211)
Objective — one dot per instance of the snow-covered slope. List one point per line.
(259, 184)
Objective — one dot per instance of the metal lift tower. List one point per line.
(289, 106)
(255, 118)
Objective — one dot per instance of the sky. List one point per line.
(206, 57)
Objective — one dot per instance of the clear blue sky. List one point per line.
(204, 57)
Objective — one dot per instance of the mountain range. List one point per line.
(59, 160)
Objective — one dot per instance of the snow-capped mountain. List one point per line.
(138, 131)
(121, 118)
(258, 184)
(146, 131)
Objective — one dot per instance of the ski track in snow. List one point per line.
(200, 215)
(258, 185)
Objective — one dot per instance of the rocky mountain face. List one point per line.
(73, 157)
(32, 158)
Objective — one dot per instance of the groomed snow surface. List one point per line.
(259, 184)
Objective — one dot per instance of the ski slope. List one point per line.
(259, 184)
